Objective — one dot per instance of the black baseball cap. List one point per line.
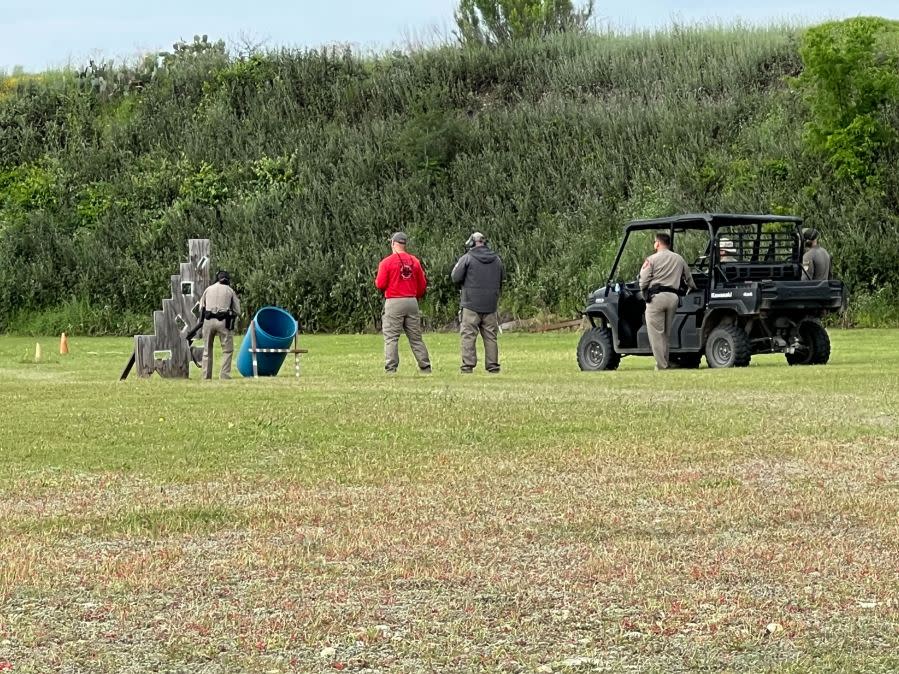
(399, 237)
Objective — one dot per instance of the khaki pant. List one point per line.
(401, 315)
(659, 317)
(211, 328)
(488, 326)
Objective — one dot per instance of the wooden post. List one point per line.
(253, 348)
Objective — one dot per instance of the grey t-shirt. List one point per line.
(816, 264)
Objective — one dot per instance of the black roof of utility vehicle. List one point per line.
(707, 218)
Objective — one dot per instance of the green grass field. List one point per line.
(543, 520)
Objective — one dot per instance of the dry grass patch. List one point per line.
(542, 535)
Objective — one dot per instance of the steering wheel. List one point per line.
(701, 264)
(631, 289)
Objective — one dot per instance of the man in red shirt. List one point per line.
(402, 280)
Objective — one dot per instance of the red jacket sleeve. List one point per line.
(381, 279)
(421, 281)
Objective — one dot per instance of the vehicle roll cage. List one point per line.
(711, 223)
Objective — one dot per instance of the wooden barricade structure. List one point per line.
(167, 351)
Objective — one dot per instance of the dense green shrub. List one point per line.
(851, 82)
(298, 165)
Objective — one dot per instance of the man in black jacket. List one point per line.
(480, 274)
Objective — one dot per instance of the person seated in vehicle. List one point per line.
(726, 251)
(816, 261)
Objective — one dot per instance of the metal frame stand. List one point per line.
(296, 351)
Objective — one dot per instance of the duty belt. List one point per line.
(652, 291)
(227, 316)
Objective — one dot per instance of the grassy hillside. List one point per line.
(299, 164)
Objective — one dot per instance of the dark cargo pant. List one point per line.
(659, 317)
(401, 315)
(211, 328)
(488, 325)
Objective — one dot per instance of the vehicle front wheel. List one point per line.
(814, 345)
(728, 346)
(595, 351)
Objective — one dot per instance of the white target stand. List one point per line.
(296, 351)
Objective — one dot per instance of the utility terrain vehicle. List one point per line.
(751, 298)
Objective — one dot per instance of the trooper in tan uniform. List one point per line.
(660, 280)
(219, 307)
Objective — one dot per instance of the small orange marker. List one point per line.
(63, 344)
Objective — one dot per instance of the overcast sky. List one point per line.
(53, 33)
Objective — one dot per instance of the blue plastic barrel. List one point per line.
(275, 329)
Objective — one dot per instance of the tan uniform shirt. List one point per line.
(816, 263)
(219, 297)
(665, 268)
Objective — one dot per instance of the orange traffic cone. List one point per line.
(63, 344)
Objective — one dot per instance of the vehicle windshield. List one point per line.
(691, 244)
(637, 248)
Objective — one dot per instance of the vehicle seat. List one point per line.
(745, 272)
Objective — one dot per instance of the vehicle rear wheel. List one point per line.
(814, 345)
(595, 351)
(685, 361)
(728, 346)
